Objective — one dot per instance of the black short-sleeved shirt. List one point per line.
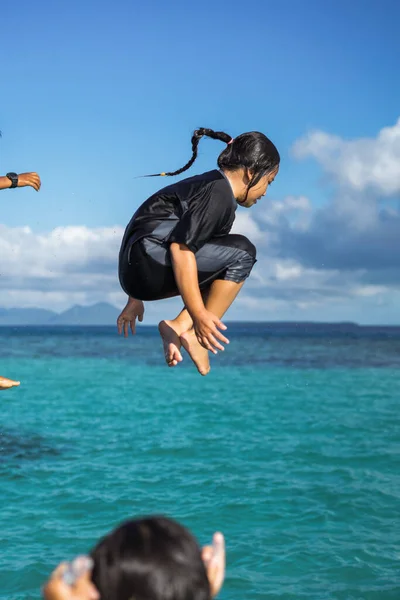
(191, 212)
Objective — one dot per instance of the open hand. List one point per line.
(206, 326)
(29, 179)
(134, 308)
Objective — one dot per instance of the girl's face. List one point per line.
(258, 191)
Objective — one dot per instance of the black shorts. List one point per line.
(145, 269)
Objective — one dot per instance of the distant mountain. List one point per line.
(97, 314)
(25, 316)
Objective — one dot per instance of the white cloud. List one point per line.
(293, 209)
(63, 250)
(78, 265)
(287, 272)
(69, 265)
(369, 290)
(290, 204)
(335, 262)
(50, 300)
(361, 164)
(359, 230)
(245, 225)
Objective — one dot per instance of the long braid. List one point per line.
(196, 137)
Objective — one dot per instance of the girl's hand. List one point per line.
(206, 326)
(134, 308)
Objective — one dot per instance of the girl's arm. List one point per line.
(205, 323)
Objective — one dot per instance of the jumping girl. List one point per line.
(178, 243)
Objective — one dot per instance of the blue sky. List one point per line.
(97, 93)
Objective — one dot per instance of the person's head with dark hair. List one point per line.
(250, 161)
(154, 558)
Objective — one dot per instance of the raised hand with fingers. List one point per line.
(214, 561)
(127, 319)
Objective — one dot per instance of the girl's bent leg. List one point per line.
(223, 264)
(222, 294)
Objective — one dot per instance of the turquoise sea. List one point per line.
(291, 447)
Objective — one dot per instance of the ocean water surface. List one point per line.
(291, 447)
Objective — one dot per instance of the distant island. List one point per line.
(103, 314)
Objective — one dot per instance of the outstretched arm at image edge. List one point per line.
(24, 180)
(5, 183)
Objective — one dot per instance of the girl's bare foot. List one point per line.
(171, 343)
(197, 353)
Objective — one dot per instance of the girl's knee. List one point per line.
(241, 242)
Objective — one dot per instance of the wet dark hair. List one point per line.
(251, 150)
(153, 558)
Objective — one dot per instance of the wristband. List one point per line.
(13, 177)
